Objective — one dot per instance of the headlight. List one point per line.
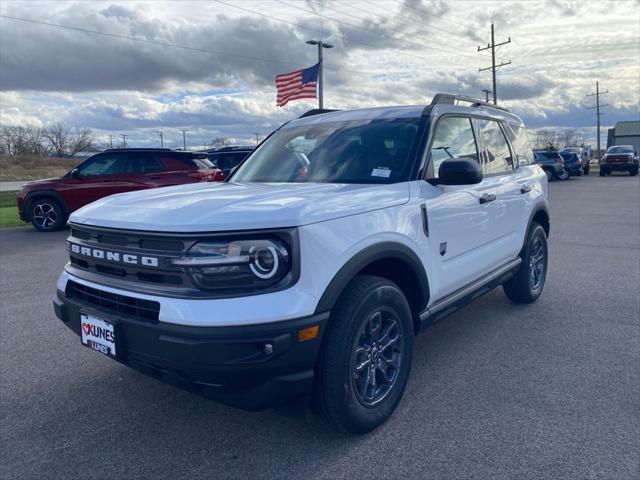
(237, 265)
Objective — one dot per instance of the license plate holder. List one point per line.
(98, 334)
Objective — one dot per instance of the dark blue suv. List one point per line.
(552, 163)
(572, 162)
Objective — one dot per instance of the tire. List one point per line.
(586, 171)
(564, 176)
(527, 284)
(46, 214)
(603, 171)
(370, 310)
(633, 172)
(549, 175)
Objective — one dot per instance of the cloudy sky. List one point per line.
(138, 67)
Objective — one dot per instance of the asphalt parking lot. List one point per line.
(549, 390)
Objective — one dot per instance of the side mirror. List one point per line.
(75, 174)
(459, 171)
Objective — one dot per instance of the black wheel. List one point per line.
(586, 170)
(633, 172)
(527, 285)
(564, 176)
(47, 215)
(603, 171)
(366, 356)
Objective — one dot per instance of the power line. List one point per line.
(324, 32)
(380, 25)
(493, 66)
(369, 31)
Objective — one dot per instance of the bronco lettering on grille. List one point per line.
(114, 256)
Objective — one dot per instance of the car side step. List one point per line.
(458, 299)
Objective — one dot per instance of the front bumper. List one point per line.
(619, 167)
(229, 364)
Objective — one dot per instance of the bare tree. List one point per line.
(34, 140)
(81, 141)
(221, 142)
(13, 139)
(58, 136)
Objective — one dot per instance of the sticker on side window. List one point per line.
(383, 172)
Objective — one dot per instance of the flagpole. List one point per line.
(320, 45)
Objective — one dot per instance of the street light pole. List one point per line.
(320, 45)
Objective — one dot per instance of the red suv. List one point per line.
(48, 203)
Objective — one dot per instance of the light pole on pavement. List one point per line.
(320, 45)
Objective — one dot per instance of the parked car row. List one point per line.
(48, 203)
(562, 164)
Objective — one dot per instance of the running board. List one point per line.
(458, 299)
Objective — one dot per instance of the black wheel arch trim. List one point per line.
(31, 196)
(541, 207)
(366, 257)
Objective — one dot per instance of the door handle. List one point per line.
(487, 197)
(525, 189)
(107, 180)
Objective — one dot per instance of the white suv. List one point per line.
(308, 273)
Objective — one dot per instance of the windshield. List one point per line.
(359, 151)
(620, 150)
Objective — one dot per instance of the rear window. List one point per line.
(521, 144)
(548, 155)
(201, 162)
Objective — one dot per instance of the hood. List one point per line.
(40, 183)
(211, 207)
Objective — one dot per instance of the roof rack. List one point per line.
(316, 111)
(449, 99)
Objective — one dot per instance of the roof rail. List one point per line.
(449, 99)
(316, 111)
(134, 149)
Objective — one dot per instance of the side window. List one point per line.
(102, 164)
(496, 154)
(215, 159)
(234, 159)
(143, 162)
(521, 144)
(453, 139)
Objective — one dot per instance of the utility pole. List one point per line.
(124, 140)
(161, 140)
(597, 107)
(184, 140)
(110, 141)
(493, 66)
(257, 139)
(320, 45)
(486, 94)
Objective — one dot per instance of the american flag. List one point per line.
(300, 83)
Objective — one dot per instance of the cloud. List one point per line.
(54, 59)
(385, 53)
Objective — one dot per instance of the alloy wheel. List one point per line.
(536, 264)
(377, 357)
(45, 215)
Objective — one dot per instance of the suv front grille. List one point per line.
(143, 310)
(163, 274)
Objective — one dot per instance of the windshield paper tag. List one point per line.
(381, 172)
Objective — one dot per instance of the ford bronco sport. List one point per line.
(308, 273)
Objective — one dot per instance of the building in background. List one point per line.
(625, 133)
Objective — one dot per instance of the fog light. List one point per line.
(268, 348)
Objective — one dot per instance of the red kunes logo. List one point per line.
(98, 332)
